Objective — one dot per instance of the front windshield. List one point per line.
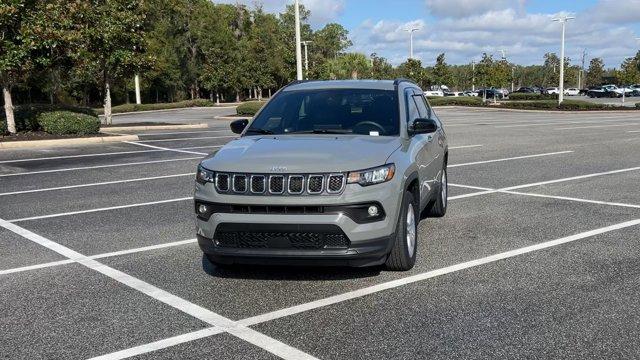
(330, 111)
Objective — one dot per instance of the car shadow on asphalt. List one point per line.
(288, 273)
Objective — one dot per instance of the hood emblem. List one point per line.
(278, 168)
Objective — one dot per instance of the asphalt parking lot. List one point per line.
(538, 256)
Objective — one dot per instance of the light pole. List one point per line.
(563, 20)
(473, 75)
(306, 58)
(411, 31)
(136, 80)
(298, 47)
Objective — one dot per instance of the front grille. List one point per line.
(257, 184)
(276, 184)
(328, 237)
(315, 184)
(296, 184)
(336, 183)
(239, 183)
(222, 182)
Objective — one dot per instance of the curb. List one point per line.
(232, 117)
(480, 109)
(174, 109)
(153, 127)
(65, 142)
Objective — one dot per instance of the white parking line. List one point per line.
(99, 256)
(297, 309)
(99, 166)
(95, 184)
(517, 187)
(596, 126)
(192, 138)
(464, 147)
(166, 149)
(161, 344)
(511, 158)
(634, 131)
(102, 209)
(105, 154)
(254, 337)
(489, 190)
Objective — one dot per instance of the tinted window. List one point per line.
(349, 111)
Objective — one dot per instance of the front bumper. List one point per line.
(368, 242)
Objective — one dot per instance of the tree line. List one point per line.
(86, 52)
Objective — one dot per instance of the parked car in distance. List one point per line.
(490, 94)
(471, 93)
(437, 91)
(454, 93)
(326, 173)
(572, 91)
(525, 90)
(552, 90)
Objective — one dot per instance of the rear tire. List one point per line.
(403, 253)
(439, 207)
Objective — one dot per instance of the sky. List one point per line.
(464, 29)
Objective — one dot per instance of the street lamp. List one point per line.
(298, 45)
(411, 31)
(306, 58)
(563, 20)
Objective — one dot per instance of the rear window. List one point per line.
(335, 111)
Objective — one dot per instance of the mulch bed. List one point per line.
(41, 135)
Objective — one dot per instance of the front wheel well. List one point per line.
(414, 188)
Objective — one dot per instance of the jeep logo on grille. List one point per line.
(278, 168)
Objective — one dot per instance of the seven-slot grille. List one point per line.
(293, 184)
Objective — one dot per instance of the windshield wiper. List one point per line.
(260, 131)
(322, 131)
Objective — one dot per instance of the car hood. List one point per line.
(302, 153)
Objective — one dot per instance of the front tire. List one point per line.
(403, 253)
(439, 207)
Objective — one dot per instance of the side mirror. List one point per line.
(238, 126)
(423, 126)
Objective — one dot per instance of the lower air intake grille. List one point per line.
(231, 236)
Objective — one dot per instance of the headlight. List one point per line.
(204, 176)
(372, 176)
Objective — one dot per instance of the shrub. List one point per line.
(455, 101)
(638, 105)
(26, 116)
(532, 96)
(67, 122)
(124, 108)
(553, 105)
(249, 108)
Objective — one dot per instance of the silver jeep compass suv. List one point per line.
(327, 172)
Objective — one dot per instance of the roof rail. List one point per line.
(397, 81)
(294, 82)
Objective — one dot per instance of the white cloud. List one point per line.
(464, 8)
(616, 12)
(526, 37)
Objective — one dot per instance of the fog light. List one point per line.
(373, 210)
(202, 209)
